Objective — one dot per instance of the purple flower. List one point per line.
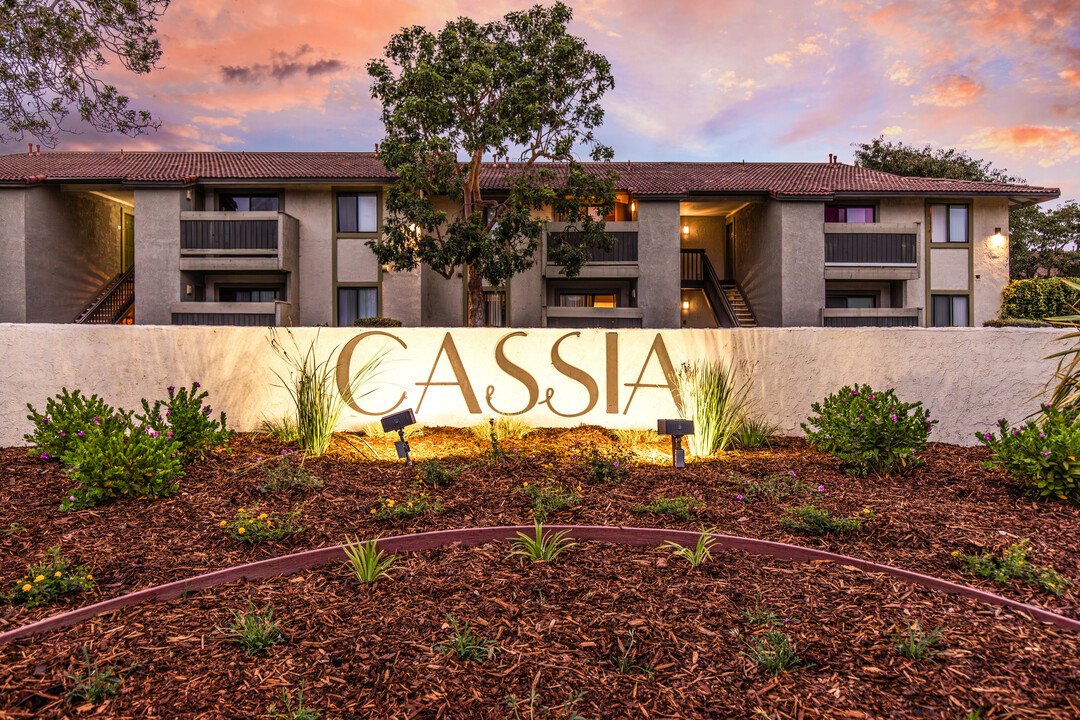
(1045, 452)
(514, 450)
(616, 463)
(821, 488)
(170, 389)
(80, 433)
(71, 497)
(1042, 434)
(1014, 431)
(738, 497)
(45, 419)
(195, 385)
(44, 456)
(63, 434)
(894, 418)
(988, 436)
(793, 473)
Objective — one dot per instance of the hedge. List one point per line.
(1038, 298)
(376, 322)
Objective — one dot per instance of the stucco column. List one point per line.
(660, 284)
(157, 253)
(13, 250)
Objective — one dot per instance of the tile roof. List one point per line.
(644, 178)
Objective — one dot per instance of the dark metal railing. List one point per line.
(625, 250)
(871, 321)
(697, 272)
(113, 300)
(228, 234)
(224, 319)
(870, 248)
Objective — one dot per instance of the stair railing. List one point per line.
(116, 297)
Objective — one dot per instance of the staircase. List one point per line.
(735, 300)
(112, 301)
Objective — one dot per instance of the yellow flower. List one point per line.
(389, 503)
(241, 531)
(56, 574)
(579, 488)
(222, 523)
(955, 553)
(866, 510)
(373, 511)
(410, 504)
(89, 577)
(27, 587)
(39, 578)
(269, 524)
(525, 484)
(263, 516)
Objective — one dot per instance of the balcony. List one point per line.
(871, 251)
(239, 241)
(587, 317)
(621, 261)
(871, 317)
(243, 314)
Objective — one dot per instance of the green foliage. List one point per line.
(501, 427)
(319, 390)
(537, 711)
(94, 684)
(626, 662)
(253, 526)
(1017, 322)
(288, 476)
(376, 322)
(283, 430)
(773, 487)
(541, 547)
(682, 507)
(67, 419)
(872, 431)
(187, 421)
(414, 506)
(1038, 298)
(51, 579)
(709, 393)
(1042, 453)
(635, 436)
(1013, 564)
(300, 712)
(255, 630)
(140, 463)
(478, 90)
(915, 644)
(367, 561)
(698, 554)
(809, 519)
(433, 474)
(754, 432)
(52, 57)
(610, 466)
(547, 499)
(465, 644)
(927, 161)
(1044, 240)
(774, 652)
(758, 615)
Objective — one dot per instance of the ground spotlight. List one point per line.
(677, 429)
(399, 421)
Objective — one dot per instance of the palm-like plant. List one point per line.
(367, 560)
(710, 395)
(1067, 374)
(541, 547)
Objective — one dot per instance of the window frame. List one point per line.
(872, 206)
(277, 194)
(279, 291)
(377, 287)
(589, 293)
(952, 308)
(502, 290)
(338, 232)
(968, 206)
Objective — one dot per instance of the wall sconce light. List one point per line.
(997, 238)
(633, 206)
(685, 229)
(685, 304)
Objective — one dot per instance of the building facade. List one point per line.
(164, 238)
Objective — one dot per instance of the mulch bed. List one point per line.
(375, 639)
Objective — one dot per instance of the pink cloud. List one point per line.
(1049, 145)
(952, 91)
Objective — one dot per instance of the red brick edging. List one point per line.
(288, 564)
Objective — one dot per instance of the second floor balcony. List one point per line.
(881, 251)
(621, 260)
(242, 241)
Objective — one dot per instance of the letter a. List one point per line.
(668, 369)
(461, 380)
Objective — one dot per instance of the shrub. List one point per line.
(433, 474)
(808, 518)
(773, 487)
(681, 507)
(139, 463)
(187, 421)
(67, 419)
(871, 431)
(501, 427)
(376, 322)
(1038, 298)
(52, 579)
(545, 499)
(255, 630)
(710, 395)
(698, 554)
(366, 559)
(1013, 564)
(541, 547)
(635, 436)
(390, 509)
(287, 476)
(1017, 322)
(609, 467)
(754, 432)
(252, 526)
(1042, 453)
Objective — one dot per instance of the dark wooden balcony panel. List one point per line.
(870, 321)
(220, 319)
(228, 234)
(626, 246)
(870, 248)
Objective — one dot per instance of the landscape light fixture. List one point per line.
(677, 429)
(399, 421)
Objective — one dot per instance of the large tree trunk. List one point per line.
(476, 298)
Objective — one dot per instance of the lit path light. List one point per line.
(289, 564)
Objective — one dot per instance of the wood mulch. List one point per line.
(368, 651)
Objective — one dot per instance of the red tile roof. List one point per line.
(644, 178)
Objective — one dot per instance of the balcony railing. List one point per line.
(871, 317)
(565, 317)
(871, 244)
(625, 250)
(238, 241)
(243, 314)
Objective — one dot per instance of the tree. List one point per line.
(1038, 238)
(51, 55)
(521, 83)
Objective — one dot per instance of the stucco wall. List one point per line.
(313, 208)
(909, 211)
(157, 254)
(991, 257)
(967, 377)
(803, 263)
(659, 285)
(706, 233)
(758, 254)
(13, 252)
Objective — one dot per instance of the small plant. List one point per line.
(709, 394)
(774, 652)
(367, 560)
(52, 579)
(139, 462)
(810, 519)
(502, 427)
(433, 474)
(496, 453)
(626, 663)
(94, 684)
(14, 528)
(68, 418)
(300, 712)
(287, 476)
(607, 467)
(697, 555)
(773, 487)
(635, 436)
(541, 547)
(682, 507)
(914, 644)
(754, 432)
(563, 711)
(390, 509)
(283, 429)
(1013, 564)
(546, 499)
(255, 630)
(872, 431)
(759, 615)
(1041, 454)
(252, 526)
(465, 644)
(187, 421)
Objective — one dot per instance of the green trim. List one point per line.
(346, 286)
(929, 245)
(335, 236)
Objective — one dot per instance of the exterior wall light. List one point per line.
(685, 304)
(685, 229)
(997, 239)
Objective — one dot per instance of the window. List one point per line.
(949, 310)
(495, 308)
(621, 212)
(849, 213)
(357, 213)
(593, 300)
(949, 223)
(248, 202)
(245, 295)
(355, 303)
(850, 301)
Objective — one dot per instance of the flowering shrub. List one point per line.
(139, 463)
(1013, 564)
(51, 579)
(288, 476)
(870, 430)
(390, 509)
(548, 499)
(1042, 453)
(67, 419)
(604, 467)
(252, 526)
(809, 519)
(680, 506)
(433, 474)
(187, 420)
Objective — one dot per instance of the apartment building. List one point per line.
(267, 238)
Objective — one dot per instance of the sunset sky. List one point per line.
(695, 79)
